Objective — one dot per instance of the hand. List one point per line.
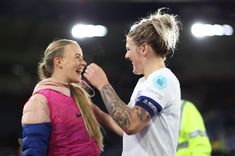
(96, 76)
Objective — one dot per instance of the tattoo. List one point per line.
(118, 110)
(141, 113)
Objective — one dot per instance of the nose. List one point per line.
(127, 56)
(84, 63)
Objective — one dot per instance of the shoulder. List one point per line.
(159, 79)
(36, 110)
(165, 80)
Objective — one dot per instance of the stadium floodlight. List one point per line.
(200, 30)
(84, 31)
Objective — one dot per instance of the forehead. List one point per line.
(129, 42)
(73, 49)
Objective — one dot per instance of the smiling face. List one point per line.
(133, 54)
(71, 64)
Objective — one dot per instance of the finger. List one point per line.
(85, 75)
(94, 66)
(88, 70)
(90, 67)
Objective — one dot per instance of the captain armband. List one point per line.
(150, 105)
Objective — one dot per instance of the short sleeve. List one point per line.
(153, 95)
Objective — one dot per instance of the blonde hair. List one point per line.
(54, 49)
(45, 70)
(92, 125)
(159, 30)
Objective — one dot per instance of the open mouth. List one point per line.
(79, 71)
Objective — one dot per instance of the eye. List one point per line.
(78, 56)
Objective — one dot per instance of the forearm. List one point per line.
(130, 120)
(105, 119)
(110, 123)
(116, 107)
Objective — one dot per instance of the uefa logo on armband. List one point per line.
(160, 82)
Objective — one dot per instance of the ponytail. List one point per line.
(42, 71)
(84, 104)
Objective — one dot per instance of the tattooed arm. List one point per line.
(106, 120)
(131, 120)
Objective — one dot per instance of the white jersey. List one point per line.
(160, 96)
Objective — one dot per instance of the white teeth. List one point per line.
(79, 71)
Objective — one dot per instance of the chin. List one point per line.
(77, 80)
(136, 72)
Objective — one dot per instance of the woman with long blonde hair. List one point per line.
(59, 118)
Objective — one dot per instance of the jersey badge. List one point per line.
(160, 82)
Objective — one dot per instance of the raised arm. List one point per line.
(131, 120)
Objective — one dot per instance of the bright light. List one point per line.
(197, 30)
(84, 31)
(228, 30)
(218, 30)
(201, 30)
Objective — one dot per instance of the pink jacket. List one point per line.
(68, 132)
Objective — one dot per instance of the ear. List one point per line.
(144, 49)
(58, 62)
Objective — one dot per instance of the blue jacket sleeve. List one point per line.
(36, 138)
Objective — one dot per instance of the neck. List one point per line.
(59, 80)
(153, 65)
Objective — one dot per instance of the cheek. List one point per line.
(138, 63)
(69, 68)
(71, 64)
(136, 59)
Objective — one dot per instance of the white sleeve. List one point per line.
(153, 96)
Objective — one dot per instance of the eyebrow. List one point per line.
(79, 55)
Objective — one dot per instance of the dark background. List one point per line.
(205, 67)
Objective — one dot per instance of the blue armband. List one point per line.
(150, 105)
(35, 139)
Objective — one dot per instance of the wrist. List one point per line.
(103, 85)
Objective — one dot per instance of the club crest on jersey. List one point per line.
(160, 82)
